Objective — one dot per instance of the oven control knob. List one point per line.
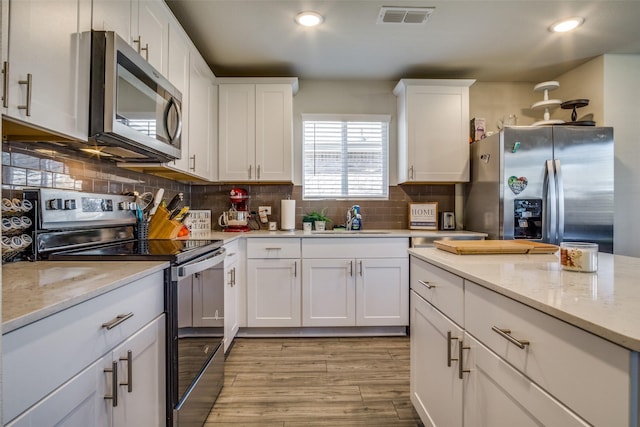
(54, 204)
(70, 204)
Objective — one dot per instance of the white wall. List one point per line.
(612, 85)
(622, 111)
(493, 101)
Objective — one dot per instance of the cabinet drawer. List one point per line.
(353, 247)
(441, 288)
(273, 247)
(591, 376)
(233, 251)
(48, 352)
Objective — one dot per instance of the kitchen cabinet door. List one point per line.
(497, 395)
(79, 402)
(274, 132)
(48, 58)
(237, 136)
(273, 292)
(109, 15)
(153, 33)
(382, 292)
(203, 120)
(435, 387)
(433, 130)
(329, 293)
(233, 280)
(141, 377)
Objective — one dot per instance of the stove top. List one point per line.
(175, 251)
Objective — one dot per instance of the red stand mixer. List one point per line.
(236, 218)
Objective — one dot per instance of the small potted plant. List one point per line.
(318, 219)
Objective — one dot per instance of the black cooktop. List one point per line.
(175, 251)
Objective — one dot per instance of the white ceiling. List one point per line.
(499, 40)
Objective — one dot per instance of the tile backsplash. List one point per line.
(28, 165)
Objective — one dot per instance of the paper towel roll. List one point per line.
(287, 214)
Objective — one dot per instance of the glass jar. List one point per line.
(578, 256)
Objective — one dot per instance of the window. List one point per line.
(345, 157)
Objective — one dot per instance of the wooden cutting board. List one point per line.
(483, 247)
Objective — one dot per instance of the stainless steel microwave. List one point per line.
(134, 113)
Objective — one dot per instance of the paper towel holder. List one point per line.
(288, 215)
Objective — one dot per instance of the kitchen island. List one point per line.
(501, 340)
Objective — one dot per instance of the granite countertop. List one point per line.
(606, 303)
(34, 290)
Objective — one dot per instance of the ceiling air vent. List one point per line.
(404, 15)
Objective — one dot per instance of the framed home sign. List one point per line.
(423, 216)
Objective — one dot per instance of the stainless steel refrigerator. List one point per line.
(543, 183)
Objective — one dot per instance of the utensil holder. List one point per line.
(161, 227)
(142, 230)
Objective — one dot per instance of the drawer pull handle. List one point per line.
(29, 83)
(114, 384)
(427, 284)
(506, 334)
(449, 339)
(5, 84)
(129, 360)
(461, 371)
(117, 320)
(272, 249)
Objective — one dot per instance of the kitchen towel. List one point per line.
(287, 214)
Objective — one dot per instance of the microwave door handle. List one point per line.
(197, 267)
(560, 193)
(173, 104)
(550, 199)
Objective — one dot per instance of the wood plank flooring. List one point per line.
(295, 382)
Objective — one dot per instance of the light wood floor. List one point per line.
(289, 382)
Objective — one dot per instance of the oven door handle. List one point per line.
(197, 267)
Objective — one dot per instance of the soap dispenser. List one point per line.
(356, 223)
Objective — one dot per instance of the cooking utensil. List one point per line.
(156, 201)
(145, 202)
(175, 202)
(179, 213)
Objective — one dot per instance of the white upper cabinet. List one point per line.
(144, 24)
(433, 130)
(47, 66)
(256, 130)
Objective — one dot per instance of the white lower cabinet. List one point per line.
(341, 290)
(61, 370)
(497, 395)
(435, 386)
(233, 280)
(273, 282)
(505, 364)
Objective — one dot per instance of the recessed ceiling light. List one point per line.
(565, 25)
(309, 19)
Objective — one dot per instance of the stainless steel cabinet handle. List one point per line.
(427, 284)
(193, 159)
(449, 339)
(230, 277)
(295, 268)
(360, 268)
(146, 51)
(250, 171)
(29, 84)
(114, 384)
(272, 249)
(506, 334)
(233, 277)
(258, 173)
(5, 84)
(117, 320)
(461, 371)
(137, 42)
(129, 360)
(411, 172)
(351, 268)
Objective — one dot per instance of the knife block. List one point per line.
(161, 227)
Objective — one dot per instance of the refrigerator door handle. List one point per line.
(550, 199)
(560, 193)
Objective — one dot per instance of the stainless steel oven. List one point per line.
(100, 227)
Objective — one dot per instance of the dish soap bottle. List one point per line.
(356, 223)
